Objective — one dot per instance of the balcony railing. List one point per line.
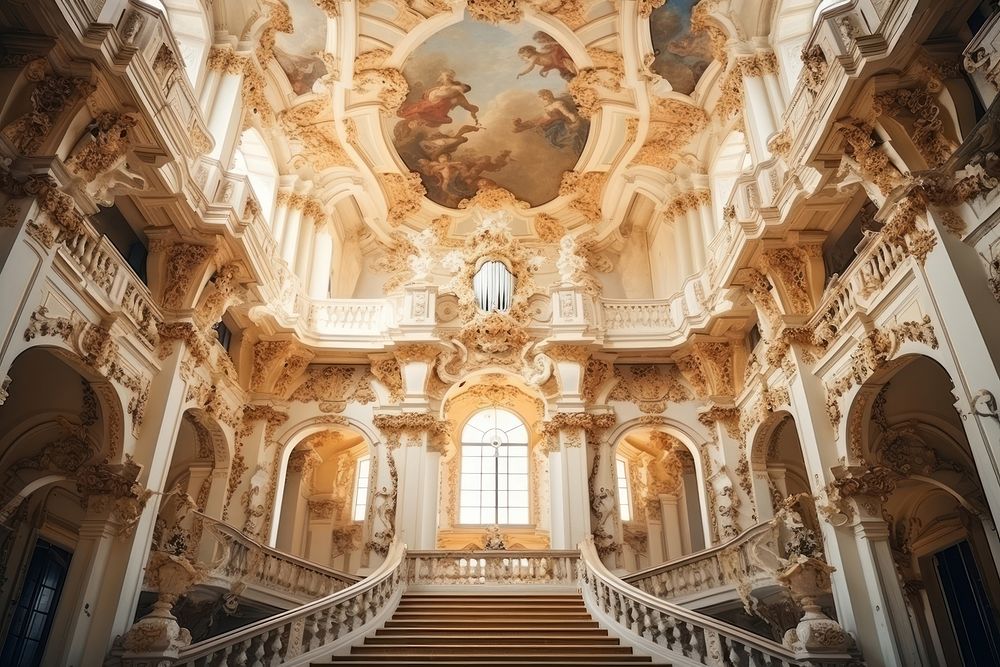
(859, 285)
(111, 280)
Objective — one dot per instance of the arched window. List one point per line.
(624, 502)
(494, 486)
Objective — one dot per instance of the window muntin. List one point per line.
(624, 502)
(494, 470)
(361, 489)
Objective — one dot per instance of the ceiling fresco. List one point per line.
(682, 56)
(296, 52)
(489, 105)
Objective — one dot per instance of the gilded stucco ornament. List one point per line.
(370, 73)
(586, 189)
(404, 193)
(873, 352)
(650, 387)
(672, 126)
(492, 338)
(312, 125)
(50, 96)
(99, 159)
(606, 73)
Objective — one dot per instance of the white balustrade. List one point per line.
(433, 568)
(349, 316)
(308, 632)
(629, 315)
(255, 564)
(726, 565)
(111, 279)
(670, 631)
(861, 283)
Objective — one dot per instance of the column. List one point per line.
(898, 645)
(682, 245)
(693, 221)
(654, 531)
(670, 516)
(709, 226)
(280, 214)
(290, 234)
(223, 120)
(209, 90)
(432, 492)
(304, 251)
(861, 610)
(760, 120)
(322, 262)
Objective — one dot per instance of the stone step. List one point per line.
(446, 649)
(347, 661)
(472, 614)
(482, 630)
(396, 658)
(498, 638)
(492, 604)
(511, 625)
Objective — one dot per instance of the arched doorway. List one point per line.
(55, 436)
(934, 512)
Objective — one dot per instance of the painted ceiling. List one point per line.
(565, 113)
(489, 105)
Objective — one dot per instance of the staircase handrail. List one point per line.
(670, 630)
(248, 560)
(293, 634)
(727, 563)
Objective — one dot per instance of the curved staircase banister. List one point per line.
(677, 633)
(729, 563)
(322, 625)
(244, 556)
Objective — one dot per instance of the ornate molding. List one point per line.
(650, 387)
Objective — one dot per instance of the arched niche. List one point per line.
(666, 487)
(777, 464)
(323, 496)
(197, 479)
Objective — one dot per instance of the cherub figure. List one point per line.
(548, 55)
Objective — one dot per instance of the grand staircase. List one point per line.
(454, 629)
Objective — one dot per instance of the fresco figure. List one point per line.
(548, 56)
(560, 123)
(435, 106)
(450, 180)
